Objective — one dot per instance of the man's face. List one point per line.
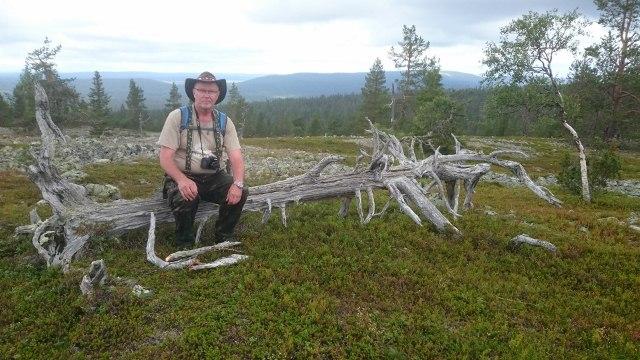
(205, 94)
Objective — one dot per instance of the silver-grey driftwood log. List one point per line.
(76, 217)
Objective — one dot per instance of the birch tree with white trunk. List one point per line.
(525, 53)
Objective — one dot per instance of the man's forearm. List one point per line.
(169, 166)
(174, 172)
(237, 165)
(238, 170)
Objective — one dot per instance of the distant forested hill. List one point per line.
(253, 87)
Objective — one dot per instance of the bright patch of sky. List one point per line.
(259, 36)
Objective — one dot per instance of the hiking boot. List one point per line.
(219, 238)
(184, 239)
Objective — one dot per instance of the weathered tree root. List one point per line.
(76, 217)
(188, 259)
(517, 241)
(96, 276)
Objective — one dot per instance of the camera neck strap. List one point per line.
(217, 139)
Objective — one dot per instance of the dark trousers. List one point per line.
(213, 188)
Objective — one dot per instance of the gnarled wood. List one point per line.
(97, 275)
(76, 217)
(188, 259)
(526, 239)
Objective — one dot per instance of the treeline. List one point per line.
(521, 93)
(324, 115)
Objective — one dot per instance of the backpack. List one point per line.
(185, 114)
(219, 130)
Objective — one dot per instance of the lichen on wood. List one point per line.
(389, 169)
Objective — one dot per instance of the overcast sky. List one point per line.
(256, 36)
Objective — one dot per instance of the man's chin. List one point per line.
(206, 104)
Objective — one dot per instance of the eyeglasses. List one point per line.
(207, 92)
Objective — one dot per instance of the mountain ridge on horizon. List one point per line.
(254, 87)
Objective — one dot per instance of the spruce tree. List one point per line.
(98, 98)
(136, 109)
(175, 99)
(23, 100)
(98, 103)
(375, 95)
(6, 115)
(315, 127)
(237, 108)
(437, 115)
(261, 126)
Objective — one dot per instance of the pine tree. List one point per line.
(375, 95)
(64, 100)
(237, 108)
(136, 109)
(411, 58)
(615, 61)
(437, 114)
(175, 99)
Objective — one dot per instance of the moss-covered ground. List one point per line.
(328, 287)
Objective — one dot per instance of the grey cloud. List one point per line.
(115, 51)
(492, 10)
(455, 22)
(441, 22)
(300, 12)
(471, 11)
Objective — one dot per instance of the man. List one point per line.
(191, 157)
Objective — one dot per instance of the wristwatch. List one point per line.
(239, 184)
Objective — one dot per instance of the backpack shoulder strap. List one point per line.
(185, 115)
(185, 119)
(222, 121)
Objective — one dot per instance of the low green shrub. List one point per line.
(603, 166)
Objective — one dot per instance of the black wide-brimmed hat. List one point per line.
(208, 78)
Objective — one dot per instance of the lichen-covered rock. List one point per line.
(74, 175)
(102, 192)
(627, 187)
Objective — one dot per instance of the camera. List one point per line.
(210, 163)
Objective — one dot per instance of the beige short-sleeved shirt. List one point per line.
(172, 138)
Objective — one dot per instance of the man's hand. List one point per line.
(186, 186)
(234, 194)
(188, 189)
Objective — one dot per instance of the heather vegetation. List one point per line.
(324, 286)
(330, 287)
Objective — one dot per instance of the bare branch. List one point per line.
(180, 255)
(358, 194)
(225, 261)
(344, 207)
(372, 206)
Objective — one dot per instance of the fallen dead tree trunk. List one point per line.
(76, 217)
